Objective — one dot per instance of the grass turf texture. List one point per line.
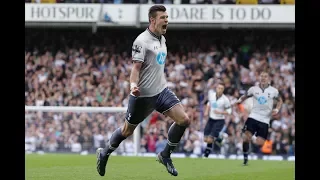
(77, 167)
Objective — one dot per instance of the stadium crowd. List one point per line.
(167, 1)
(77, 68)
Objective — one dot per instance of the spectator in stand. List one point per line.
(160, 144)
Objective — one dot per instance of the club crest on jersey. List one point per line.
(161, 58)
(136, 49)
(262, 100)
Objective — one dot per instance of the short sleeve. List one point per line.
(249, 93)
(138, 50)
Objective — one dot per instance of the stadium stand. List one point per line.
(74, 67)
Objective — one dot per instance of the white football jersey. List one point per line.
(151, 50)
(220, 104)
(262, 102)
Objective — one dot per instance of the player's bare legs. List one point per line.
(259, 141)
(117, 137)
(247, 138)
(213, 138)
(209, 140)
(176, 131)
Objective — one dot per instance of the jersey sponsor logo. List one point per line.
(161, 58)
(262, 100)
(214, 105)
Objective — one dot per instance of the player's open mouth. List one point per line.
(164, 26)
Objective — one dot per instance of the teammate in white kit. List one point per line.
(217, 107)
(262, 111)
(149, 92)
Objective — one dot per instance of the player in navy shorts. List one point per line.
(263, 96)
(149, 92)
(140, 107)
(218, 107)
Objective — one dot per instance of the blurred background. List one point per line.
(80, 55)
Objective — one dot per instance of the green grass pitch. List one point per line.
(77, 167)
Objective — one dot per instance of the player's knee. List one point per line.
(184, 121)
(205, 139)
(127, 130)
(260, 141)
(245, 137)
(209, 140)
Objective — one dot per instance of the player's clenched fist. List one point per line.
(134, 89)
(275, 112)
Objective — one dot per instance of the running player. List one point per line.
(149, 92)
(219, 106)
(262, 111)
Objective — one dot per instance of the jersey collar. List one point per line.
(218, 97)
(264, 88)
(154, 35)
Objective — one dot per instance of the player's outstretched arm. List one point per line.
(241, 99)
(247, 95)
(206, 112)
(134, 78)
(279, 104)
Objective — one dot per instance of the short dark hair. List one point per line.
(221, 83)
(154, 9)
(265, 71)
